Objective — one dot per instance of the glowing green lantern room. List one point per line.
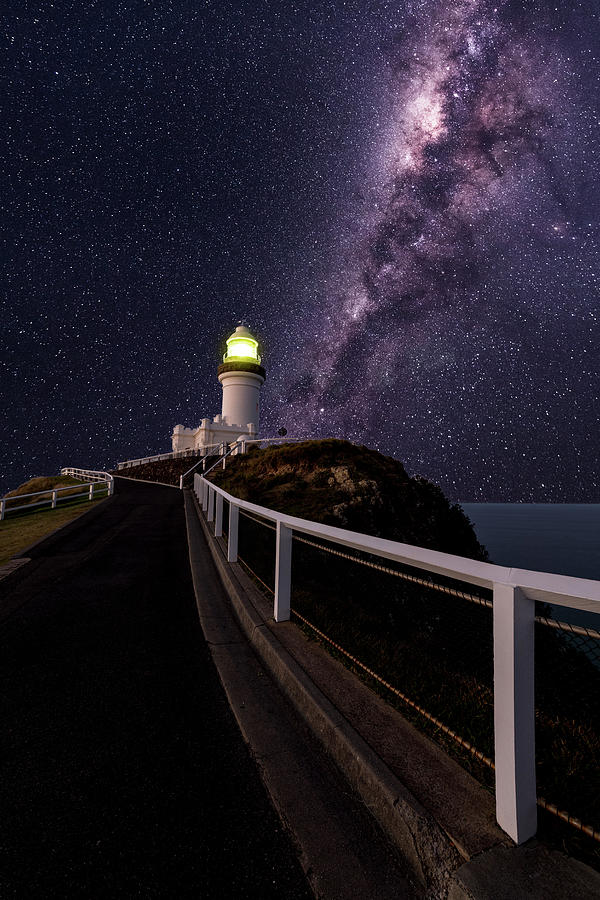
(242, 345)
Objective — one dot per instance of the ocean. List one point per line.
(546, 537)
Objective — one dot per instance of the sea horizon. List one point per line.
(563, 538)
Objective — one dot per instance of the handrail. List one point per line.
(201, 461)
(202, 451)
(277, 440)
(514, 594)
(544, 586)
(50, 495)
(174, 454)
(237, 446)
(90, 474)
(58, 490)
(189, 472)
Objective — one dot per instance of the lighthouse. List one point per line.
(241, 375)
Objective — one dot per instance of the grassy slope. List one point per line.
(42, 483)
(20, 531)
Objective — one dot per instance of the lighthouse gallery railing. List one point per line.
(515, 592)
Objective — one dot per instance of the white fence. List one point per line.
(94, 483)
(178, 454)
(210, 450)
(90, 475)
(515, 592)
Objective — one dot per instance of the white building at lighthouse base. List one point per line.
(209, 433)
(241, 375)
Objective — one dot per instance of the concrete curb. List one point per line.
(342, 852)
(427, 850)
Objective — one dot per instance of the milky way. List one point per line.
(476, 112)
(469, 109)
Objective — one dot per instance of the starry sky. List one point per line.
(399, 199)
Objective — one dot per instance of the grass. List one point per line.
(20, 530)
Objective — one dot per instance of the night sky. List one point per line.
(399, 199)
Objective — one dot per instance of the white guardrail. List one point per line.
(209, 450)
(514, 594)
(91, 481)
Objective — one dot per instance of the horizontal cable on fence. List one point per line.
(254, 575)
(423, 712)
(565, 627)
(444, 589)
(456, 737)
(256, 519)
(579, 630)
(573, 821)
(405, 576)
(426, 582)
(569, 819)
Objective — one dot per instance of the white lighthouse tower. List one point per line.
(241, 375)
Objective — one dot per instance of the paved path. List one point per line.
(123, 771)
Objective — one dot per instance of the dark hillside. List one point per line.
(339, 483)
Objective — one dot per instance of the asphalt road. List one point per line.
(123, 773)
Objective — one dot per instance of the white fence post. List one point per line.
(211, 505)
(232, 534)
(204, 496)
(2, 509)
(181, 482)
(53, 499)
(283, 573)
(218, 515)
(514, 712)
(91, 492)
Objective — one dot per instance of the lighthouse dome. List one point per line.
(242, 345)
